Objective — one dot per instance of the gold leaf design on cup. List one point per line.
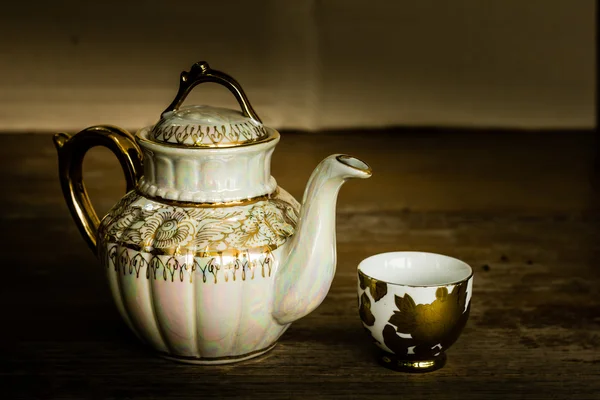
(377, 288)
(371, 335)
(432, 327)
(397, 344)
(364, 310)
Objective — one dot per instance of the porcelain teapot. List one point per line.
(207, 259)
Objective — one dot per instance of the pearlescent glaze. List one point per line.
(207, 259)
(218, 283)
(204, 301)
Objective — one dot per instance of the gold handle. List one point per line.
(201, 72)
(72, 150)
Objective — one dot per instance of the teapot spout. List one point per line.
(304, 278)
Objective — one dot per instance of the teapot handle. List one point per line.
(201, 72)
(72, 150)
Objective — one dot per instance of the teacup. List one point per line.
(414, 305)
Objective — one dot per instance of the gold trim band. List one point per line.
(241, 357)
(349, 161)
(143, 140)
(177, 251)
(396, 363)
(232, 203)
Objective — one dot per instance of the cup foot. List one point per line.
(395, 363)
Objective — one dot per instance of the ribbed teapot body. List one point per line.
(195, 281)
(192, 250)
(191, 253)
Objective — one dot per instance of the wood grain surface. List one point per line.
(520, 208)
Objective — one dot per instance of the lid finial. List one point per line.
(201, 72)
(205, 126)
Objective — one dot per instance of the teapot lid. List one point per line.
(206, 126)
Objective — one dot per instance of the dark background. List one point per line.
(478, 119)
(307, 65)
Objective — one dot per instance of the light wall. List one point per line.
(304, 64)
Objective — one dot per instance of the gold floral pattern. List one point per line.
(364, 310)
(168, 227)
(263, 223)
(144, 223)
(377, 288)
(120, 216)
(432, 327)
(214, 227)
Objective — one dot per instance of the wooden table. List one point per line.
(521, 208)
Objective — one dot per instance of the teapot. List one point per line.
(208, 260)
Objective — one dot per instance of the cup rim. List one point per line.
(456, 282)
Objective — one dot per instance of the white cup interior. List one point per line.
(414, 268)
